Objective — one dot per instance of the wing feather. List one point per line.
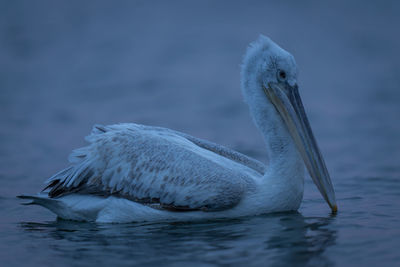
(155, 165)
(216, 148)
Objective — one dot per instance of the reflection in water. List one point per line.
(287, 238)
(303, 240)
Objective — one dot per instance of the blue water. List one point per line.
(65, 66)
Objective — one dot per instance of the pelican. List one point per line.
(131, 172)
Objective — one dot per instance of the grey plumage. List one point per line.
(157, 166)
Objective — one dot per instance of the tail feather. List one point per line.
(42, 200)
(76, 207)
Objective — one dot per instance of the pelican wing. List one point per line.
(228, 153)
(156, 166)
(213, 147)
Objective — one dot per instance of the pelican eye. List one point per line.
(282, 75)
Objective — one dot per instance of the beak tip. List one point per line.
(334, 209)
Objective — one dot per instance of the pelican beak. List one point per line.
(286, 100)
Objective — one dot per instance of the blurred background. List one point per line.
(66, 65)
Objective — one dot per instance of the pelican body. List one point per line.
(131, 172)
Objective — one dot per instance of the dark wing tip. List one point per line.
(98, 128)
(52, 184)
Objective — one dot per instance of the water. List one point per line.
(68, 65)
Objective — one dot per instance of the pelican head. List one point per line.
(269, 85)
